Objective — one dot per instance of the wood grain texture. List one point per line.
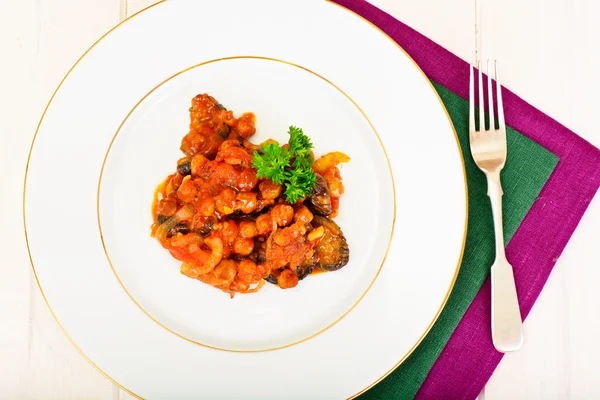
(39, 42)
(537, 42)
(134, 6)
(549, 55)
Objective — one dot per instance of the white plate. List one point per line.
(112, 132)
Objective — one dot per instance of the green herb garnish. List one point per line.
(291, 166)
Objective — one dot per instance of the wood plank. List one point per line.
(40, 40)
(549, 55)
(134, 6)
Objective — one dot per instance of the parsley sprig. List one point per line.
(290, 166)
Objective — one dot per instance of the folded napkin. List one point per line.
(549, 180)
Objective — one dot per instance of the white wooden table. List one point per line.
(537, 41)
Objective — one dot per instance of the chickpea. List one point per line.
(167, 207)
(225, 174)
(303, 214)
(263, 270)
(174, 183)
(247, 180)
(282, 239)
(228, 230)
(262, 203)
(286, 236)
(225, 201)
(245, 125)
(187, 191)
(233, 160)
(287, 279)
(205, 206)
(248, 229)
(264, 224)
(197, 163)
(243, 246)
(247, 271)
(269, 190)
(246, 202)
(282, 214)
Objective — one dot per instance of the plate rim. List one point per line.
(462, 160)
(246, 57)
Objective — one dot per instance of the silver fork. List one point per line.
(488, 147)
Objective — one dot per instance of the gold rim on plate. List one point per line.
(128, 19)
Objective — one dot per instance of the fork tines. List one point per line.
(490, 106)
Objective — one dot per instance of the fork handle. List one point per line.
(507, 333)
(495, 194)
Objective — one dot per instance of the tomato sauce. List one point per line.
(231, 229)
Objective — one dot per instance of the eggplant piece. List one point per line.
(223, 130)
(332, 251)
(185, 168)
(251, 147)
(204, 225)
(252, 256)
(239, 215)
(261, 251)
(161, 219)
(319, 201)
(307, 267)
(179, 228)
(302, 271)
(272, 278)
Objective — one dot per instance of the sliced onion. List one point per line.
(194, 247)
(254, 289)
(184, 213)
(202, 269)
(164, 228)
(212, 280)
(226, 270)
(188, 270)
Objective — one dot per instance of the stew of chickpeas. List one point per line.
(234, 230)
